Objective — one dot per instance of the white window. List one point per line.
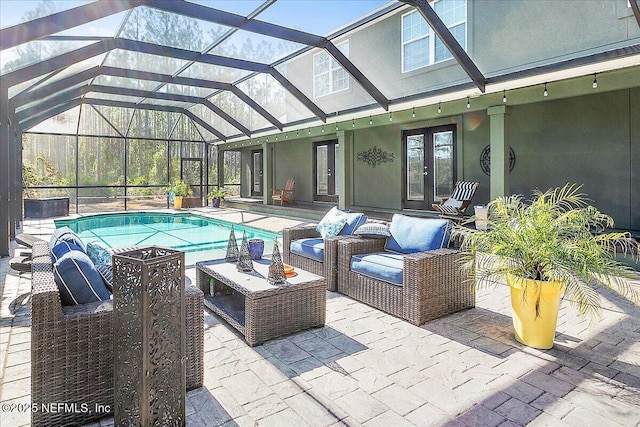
(420, 45)
(328, 76)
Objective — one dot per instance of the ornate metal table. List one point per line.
(258, 310)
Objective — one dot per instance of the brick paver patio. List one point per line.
(368, 368)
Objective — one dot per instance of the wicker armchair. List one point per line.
(432, 284)
(327, 268)
(72, 349)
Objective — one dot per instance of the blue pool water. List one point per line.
(201, 238)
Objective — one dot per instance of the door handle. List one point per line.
(425, 173)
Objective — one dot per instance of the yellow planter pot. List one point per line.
(535, 312)
(177, 202)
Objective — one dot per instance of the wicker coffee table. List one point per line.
(258, 310)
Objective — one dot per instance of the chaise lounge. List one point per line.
(412, 274)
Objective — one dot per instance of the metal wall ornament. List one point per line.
(276, 274)
(485, 160)
(244, 257)
(375, 156)
(232, 247)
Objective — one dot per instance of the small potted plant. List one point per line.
(216, 196)
(179, 189)
(556, 244)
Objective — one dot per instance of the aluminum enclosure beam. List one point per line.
(635, 6)
(49, 89)
(449, 41)
(61, 21)
(197, 11)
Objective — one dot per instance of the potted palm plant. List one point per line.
(179, 189)
(216, 196)
(556, 244)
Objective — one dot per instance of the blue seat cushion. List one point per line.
(311, 248)
(385, 266)
(410, 234)
(66, 234)
(78, 279)
(354, 220)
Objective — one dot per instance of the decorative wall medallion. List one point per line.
(375, 156)
(485, 160)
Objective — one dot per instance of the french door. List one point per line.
(256, 173)
(326, 179)
(429, 165)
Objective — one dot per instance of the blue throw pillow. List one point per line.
(332, 223)
(66, 234)
(410, 235)
(62, 248)
(354, 220)
(99, 253)
(78, 280)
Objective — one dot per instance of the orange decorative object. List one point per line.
(288, 270)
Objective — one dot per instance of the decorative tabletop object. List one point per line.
(244, 258)
(276, 268)
(256, 248)
(232, 247)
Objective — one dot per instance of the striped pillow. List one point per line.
(78, 280)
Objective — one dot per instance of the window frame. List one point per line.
(432, 38)
(333, 66)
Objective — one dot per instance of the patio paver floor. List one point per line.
(368, 368)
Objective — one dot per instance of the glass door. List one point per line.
(429, 165)
(326, 179)
(256, 173)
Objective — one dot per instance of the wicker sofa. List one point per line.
(431, 284)
(72, 349)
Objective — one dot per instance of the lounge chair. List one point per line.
(283, 195)
(26, 239)
(455, 206)
(413, 274)
(304, 247)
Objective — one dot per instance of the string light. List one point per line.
(504, 95)
(390, 117)
(468, 102)
(439, 107)
(322, 128)
(413, 112)
(286, 135)
(353, 123)
(309, 130)
(595, 81)
(370, 120)
(337, 129)
(297, 133)
(546, 92)
(276, 137)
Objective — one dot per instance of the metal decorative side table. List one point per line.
(149, 337)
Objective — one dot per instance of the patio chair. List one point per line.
(413, 274)
(455, 206)
(283, 195)
(304, 247)
(72, 348)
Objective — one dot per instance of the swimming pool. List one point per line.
(200, 237)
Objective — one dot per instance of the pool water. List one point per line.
(201, 238)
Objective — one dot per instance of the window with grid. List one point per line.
(420, 45)
(328, 75)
